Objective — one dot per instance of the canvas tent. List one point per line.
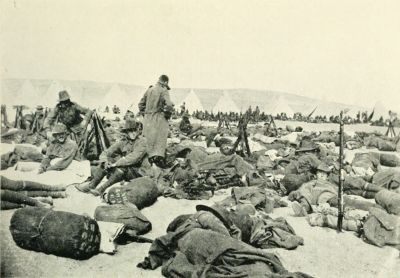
(134, 98)
(192, 102)
(380, 111)
(50, 98)
(116, 96)
(225, 104)
(280, 106)
(27, 95)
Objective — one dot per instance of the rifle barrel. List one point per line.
(341, 175)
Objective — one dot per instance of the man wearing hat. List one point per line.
(185, 126)
(61, 147)
(314, 192)
(38, 119)
(157, 108)
(70, 114)
(121, 161)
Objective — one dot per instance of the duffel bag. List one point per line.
(55, 232)
(389, 200)
(142, 192)
(381, 228)
(389, 160)
(129, 215)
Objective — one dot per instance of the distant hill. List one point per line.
(93, 94)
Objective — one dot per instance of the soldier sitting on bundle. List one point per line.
(122, 161)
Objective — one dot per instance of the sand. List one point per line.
(325, 253)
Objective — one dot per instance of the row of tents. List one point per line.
(114, 94)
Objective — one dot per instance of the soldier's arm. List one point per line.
(167, 100)
(85, 111)
(142, 103)
(45, 163)
(50, 119)
(113, 149)
(46, 160)
(135, 156)
(66, 160)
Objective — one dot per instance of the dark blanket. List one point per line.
(204, 253)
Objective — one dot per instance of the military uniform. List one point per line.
(66, 150)
(128, 157)
(154, 105)
(68, 113)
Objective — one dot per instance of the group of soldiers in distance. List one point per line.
(257, 116)
(35, 120)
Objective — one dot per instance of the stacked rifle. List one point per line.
(4, 118)
(96, 134)
(242, 137)
(19, 118)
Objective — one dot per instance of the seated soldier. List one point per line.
(121, 161)
(62, 148)
(185, 126)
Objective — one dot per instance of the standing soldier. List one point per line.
(157, 108)
(70, 114)
(38, 119)
(183, 108)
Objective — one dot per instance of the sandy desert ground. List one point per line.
(325, 253)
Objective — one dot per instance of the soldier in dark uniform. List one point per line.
(185, 126)
(70, 114)
(38, 119)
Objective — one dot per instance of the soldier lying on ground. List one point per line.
(320, 191)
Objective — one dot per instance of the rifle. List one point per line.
(341, 174)
(242, 137)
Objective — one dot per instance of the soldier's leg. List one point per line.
(98, 176)
(117, 175)
(301, 207)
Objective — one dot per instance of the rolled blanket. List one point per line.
(330, 221)
(9, 205)
(17, 198)
(55, 232)
(18, 185)
(53, 194)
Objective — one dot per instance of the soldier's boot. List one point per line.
(87, 186)
(116, 176)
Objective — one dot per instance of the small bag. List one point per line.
(129, 215)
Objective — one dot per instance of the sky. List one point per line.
(343, 50)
